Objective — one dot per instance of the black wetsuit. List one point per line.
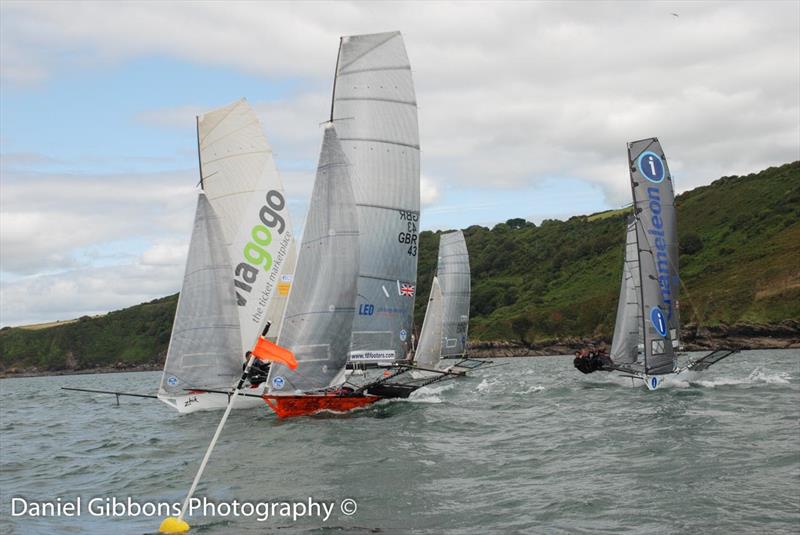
(258, 372)
(583, 364)
(593, 362)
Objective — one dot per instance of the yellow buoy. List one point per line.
(173, 525)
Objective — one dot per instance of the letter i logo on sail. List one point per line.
(658, 321)
(651, 167)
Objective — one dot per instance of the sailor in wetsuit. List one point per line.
(259, 371)
(592, 360)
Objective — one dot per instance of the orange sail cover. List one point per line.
(265, 350)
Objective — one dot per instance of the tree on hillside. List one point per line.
(521, 325)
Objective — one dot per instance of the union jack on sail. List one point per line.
(407, 290)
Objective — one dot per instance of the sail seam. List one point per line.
(378, 99)
(237, 154)
(383, 207)
(376, 140)
(367, 51)
(338, 234)
(376, 69)
(222, 120)
(349, 310)
(232, 132)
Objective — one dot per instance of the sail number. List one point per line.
(255, 252)
(409, 237)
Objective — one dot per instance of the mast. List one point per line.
(335, 76)
(199, 157)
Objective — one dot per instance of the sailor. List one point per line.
(582, 361)
(259, 371)
(592, 360)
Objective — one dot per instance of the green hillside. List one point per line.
(740, 261)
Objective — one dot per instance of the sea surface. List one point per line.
(531, 446)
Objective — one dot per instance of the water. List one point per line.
(531, 446)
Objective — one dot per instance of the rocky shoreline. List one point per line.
(784, 335)
(119, 367)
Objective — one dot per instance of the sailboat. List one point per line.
(373, 136)
(444, 329)
(319, 315)
(453, 272)
(240, 265)
(647, 329)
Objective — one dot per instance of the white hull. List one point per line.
(211, 401)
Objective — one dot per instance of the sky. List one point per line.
(525, 109)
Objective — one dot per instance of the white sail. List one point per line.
(375, 112)
(204, 347)
(429, 349)
(239, 176)
(627, 332)
(454, 277)
(319, 315)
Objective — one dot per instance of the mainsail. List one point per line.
(239, 176)
(204, 350)
(656, 238)
(429, 349)
(319, 315)
(374, 109)
(454, 277)
(627, 332)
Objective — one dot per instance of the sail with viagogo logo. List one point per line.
(240, 265)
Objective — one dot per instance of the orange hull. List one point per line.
(288, 406)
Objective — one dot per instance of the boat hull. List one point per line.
(306, 405)
(210, 401)
(392, 391)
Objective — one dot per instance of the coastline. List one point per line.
(117, 368)
(740, 336)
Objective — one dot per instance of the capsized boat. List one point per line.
(242, 251)
(647, 328)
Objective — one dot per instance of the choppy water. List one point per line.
(528, 447)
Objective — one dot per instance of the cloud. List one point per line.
(428, 191)
(513, 96)
(87, 291)
(509, 93)
(46, 218)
